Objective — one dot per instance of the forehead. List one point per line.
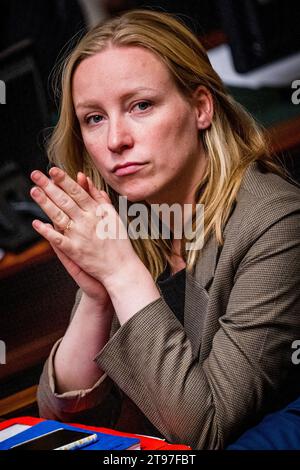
(116, 68)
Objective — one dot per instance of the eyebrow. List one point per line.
(93, 104)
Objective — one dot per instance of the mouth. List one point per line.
(129, 169)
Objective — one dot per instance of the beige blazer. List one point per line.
(205, 383)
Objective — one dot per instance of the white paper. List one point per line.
(12, 431)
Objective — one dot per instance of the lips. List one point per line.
(128, 168)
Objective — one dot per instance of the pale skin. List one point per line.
(120, 122)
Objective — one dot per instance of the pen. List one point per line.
(80, 443)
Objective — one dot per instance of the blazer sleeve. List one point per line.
(206, 405)
(99, 404)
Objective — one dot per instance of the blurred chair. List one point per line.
(49, 25)
(25, 114)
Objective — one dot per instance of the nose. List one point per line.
(119, 136)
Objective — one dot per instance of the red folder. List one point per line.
(147, 443)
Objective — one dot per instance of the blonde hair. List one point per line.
(231, 143)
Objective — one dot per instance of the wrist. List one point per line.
(95, 304)
(131, 289)
(124, 276)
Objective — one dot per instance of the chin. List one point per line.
(136, 197)
(135, 194)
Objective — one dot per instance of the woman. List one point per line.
(198, 341)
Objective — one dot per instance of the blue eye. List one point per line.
(143, 105)
(96, 119)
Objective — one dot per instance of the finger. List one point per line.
(82, 181)
(57, 216)
(63, 258)
(54, 238)
(99, 196)
(72, 268)
(72, 188)
(60, 198)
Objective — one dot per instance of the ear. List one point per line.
(204, 107)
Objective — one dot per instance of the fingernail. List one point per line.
(35, 175)
(54, 172)
(36, 224)
(36, 192)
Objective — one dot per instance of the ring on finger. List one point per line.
(68, 226)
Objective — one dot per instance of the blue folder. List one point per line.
(105, 441)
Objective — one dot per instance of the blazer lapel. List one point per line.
(196, 293)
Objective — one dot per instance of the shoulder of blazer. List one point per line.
(259, 185)
(263, 199)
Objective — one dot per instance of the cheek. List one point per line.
(97, 156)
(186, 138)
(177, 140)
(178, 130)
(94, 148)
(91, 143)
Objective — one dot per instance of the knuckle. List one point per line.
(84, 197)
(58, 241)
(58, 217)
(75, 191)
(64, 202)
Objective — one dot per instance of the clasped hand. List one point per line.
(75, 211)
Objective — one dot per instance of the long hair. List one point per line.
(231, 143)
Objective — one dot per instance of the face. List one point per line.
(141, 133)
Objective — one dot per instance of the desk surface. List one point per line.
(12, 262)
(147, 443)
